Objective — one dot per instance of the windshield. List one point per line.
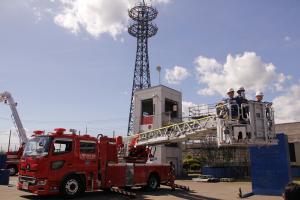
(37, 146)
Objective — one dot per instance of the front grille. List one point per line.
(28, 179)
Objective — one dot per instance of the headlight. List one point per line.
(57, 164)
(41, 182)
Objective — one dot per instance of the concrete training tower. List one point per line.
(142, 29)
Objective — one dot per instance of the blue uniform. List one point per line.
(240, 100)
(234, 109)
(230, 100)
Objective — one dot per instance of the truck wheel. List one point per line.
(71, 187)
(153, 182)
(13, 170)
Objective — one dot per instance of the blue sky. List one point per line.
(64, 70)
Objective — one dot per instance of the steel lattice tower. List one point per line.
(142, 29)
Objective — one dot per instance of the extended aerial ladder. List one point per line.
(13, 157)
(189, 130)
(8, 99)
(249, 124)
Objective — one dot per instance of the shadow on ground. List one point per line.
(141, 194)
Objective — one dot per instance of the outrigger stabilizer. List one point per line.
(123, 192)
(171, 183)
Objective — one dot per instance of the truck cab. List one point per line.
(48, 159)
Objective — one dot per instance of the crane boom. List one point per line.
(7, 98)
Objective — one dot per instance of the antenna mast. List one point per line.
(142, 29)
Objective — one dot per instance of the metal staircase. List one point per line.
(190, 130)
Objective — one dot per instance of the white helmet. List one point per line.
(230, 90)
(259, 93)
(241, 89)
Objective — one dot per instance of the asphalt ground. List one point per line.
(198, 191)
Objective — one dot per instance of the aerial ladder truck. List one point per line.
(70, 164)
(13, 157)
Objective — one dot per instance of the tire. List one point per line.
(152, 183)
(13, 170)
(71, 187)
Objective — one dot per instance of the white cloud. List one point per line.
(37, 13)
(287, 38)
(287, 106)
(246, 70)
(206, 92)
(185, 107)
(176, 75)
(161, 1)
(96, 17)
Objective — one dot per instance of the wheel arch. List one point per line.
(14, 166)
(155, 173)
(82, 177)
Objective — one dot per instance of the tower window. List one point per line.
(147, 107)
(171, 107)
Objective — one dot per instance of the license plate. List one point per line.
(25, 185)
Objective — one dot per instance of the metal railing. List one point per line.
(202, 110)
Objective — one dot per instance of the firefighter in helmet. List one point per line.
(230, 94)
(241, 98)
(259, 96)
(222, 107)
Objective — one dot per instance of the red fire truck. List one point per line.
(70, 164)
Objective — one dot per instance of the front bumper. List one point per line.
(32, 185)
